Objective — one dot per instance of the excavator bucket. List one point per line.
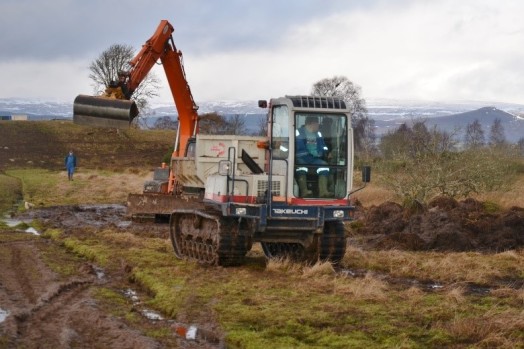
(103, 111)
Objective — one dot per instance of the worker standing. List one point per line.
(70, 164)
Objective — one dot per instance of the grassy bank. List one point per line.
(44, 144)
(288, 305)
(41, 187)
(379, 302)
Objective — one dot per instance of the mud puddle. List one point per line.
(147, 313)
(428, 285)
(190, 333)
(100, 216)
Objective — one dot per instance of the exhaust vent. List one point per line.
(317, 102)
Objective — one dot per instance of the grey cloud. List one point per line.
(36, 29)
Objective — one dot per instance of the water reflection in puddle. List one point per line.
(3, 315)
(32, 230)
(13, 223)
(100, 274)
(149, 314)
(124, 224)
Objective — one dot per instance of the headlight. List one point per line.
(338, 214)
(241, 211)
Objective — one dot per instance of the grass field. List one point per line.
(378, 299)
(288, 305)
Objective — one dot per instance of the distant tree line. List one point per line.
(214, 123)
(420, 163)
(475, 138)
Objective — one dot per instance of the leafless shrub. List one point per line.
(422, 164)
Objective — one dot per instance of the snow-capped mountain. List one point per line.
(455, 124)
(221, 107)
(41, 109)
(387, 114)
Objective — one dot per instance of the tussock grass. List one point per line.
(319, 269)
(369, 288)
(512, 296)
(447, 267)
(456, 295)
(491, 330)
(279, 265)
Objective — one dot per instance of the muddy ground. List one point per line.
(41, 309)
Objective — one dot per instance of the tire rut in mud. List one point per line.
(46, 310)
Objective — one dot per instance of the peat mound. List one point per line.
(444, 224)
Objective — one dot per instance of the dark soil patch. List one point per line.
(443, 225)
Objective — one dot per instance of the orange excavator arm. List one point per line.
(108, 112)
(161, 46)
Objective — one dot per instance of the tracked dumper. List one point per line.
(221, 194)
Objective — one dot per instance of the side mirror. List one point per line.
(366, 178)
(225, 168)
(366, 174)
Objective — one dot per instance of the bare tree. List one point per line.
(496, 133)
(262, 127)
(165, 123)
(212, 123)
(236, 125)
(520, 146)
(368, 146)
(341, 86)
(474, 137)
(411, 141)
(116, 58)
(106, 67)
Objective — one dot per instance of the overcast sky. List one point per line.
(437, 50)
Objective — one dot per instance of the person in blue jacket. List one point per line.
(310, 150)
(70, 164)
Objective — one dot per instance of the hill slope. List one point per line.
(456, 123)
(45, 143)
(513, 125)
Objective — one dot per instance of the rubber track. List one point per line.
(216, 240)
(330, 246)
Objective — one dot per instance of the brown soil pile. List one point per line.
(443, 225)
